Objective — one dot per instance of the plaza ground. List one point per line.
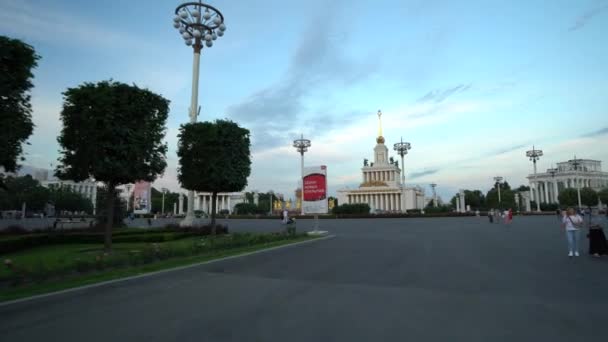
(426, 279)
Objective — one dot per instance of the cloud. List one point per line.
(583, 19)
(319, 61)
(440, 95)
(597, 133)
(504, 150)
(45, 23)
(419, 174)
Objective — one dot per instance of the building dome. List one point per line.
(380, 140)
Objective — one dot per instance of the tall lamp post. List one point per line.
(401, 148)
(271, 193)
(433, 186)
(198, 23)
(498, 180)
(164, 190)
(534, 155)
(301, 146)
(575, 164)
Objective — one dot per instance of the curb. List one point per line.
(114, 281)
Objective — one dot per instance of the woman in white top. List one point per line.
(573, 223)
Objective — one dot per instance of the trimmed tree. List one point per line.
(589, 197)
(17, 60)
(568, 197)
(213, 157)
(112, 132)
(603, 195)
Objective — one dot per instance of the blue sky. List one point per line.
(471, 84)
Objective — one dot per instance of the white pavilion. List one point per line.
(381, 186)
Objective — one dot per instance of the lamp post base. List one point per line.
(188, 221)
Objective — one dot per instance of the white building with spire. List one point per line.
(381, 186)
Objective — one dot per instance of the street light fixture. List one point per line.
(498, 181)
(301, 146)
(197, 23)
(433, 186)
(575, 164)
(534, 155)
(401, 148)
(271, 193)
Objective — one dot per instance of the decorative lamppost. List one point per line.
(401, 148)
(164, 191)
(575, 164)
(498, 181)
(301, 146)
(534, 155)
(271, 193)
(433, 186)
(199, 24)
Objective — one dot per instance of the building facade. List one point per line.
(584, 173)
(381, 186)
(225, 201)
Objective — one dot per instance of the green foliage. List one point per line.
(430, 209)
(603, 195)
(355, 208)
(170, 199)
(214, 157)
(523, 188)
(112, 132)
(507, 197)
(23, 189)
(17, 60)
(589, 197)
(568, 197)
(247, 209)
(68, 200)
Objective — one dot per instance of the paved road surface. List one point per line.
(452, 279)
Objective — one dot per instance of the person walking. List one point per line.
(510, 215)
(597, 239)
(572, 223)
(491, 215)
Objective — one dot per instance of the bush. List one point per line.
(355, 208)
(15, 229)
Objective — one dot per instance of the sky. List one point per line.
(471, 85)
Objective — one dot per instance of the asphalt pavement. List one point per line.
(426, 279)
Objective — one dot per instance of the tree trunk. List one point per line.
(110, 217)
(213, 203)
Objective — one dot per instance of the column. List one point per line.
(181, 204)
(394, 201)
(546, 192)
(196, 201)
(205, 204)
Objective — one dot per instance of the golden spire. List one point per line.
(380, 139)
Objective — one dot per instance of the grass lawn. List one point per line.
(65, 257)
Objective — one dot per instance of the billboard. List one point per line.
(142, 197)
(315, 190)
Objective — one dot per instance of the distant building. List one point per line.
(381, 186)
(546, 186)
(86, 188)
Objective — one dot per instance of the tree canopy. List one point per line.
(17, 60)
(112, 132)
(568, 197)
(589, 197)
(21, 190)
(603, 195)
(214, 157)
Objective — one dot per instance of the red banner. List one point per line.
(315, 187)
